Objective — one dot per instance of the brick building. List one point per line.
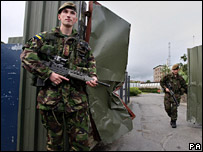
(157, 72)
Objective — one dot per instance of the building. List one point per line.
(158, 73)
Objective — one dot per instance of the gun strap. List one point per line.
(55, 118)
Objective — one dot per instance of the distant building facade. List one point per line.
(14, 40)
(158, 74)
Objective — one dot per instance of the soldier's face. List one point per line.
(175, 71)
(68, 17)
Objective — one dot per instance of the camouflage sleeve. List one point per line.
(91, 64)
(163, 82)
(183, 86)
(30, 59)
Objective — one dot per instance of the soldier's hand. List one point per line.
(167, 90)
(92, 83)
(56, 78)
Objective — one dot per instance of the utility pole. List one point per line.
(169, 55)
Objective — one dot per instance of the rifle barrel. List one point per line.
(102, 83)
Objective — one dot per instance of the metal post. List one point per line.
(126, 87)
(121, 92)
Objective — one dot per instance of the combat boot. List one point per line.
(173, 124)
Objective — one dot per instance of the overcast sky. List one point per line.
(153, 25)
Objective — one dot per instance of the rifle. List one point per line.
(172, 93)
(57, 65)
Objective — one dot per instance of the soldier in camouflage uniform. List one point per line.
(66, 101)
(179, 87)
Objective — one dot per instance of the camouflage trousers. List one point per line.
(170, 106)
(77, 126)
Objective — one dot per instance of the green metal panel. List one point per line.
(39, 16)
(109, 41)
(194, 105)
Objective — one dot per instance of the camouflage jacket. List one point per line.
(178, 84)
(46, 44)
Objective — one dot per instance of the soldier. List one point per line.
(179, 87)
(66, 101)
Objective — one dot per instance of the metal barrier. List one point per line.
(124, 91)
(194, 102)
(10, 79)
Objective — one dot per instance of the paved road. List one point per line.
(152, 130)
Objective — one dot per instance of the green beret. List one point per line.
(67, 5)
(175, 67)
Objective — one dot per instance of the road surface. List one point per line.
(152, 130)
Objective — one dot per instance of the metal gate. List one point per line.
(194, 105)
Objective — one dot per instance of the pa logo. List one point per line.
(193, 146)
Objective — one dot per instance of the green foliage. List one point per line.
(184, 75)
(184, 58)
(134, 91)
(166, 69)
(132, 81)
(150, 90)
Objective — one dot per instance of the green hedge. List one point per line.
(150, 90)
(134, 91)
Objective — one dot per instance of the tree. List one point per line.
(165, 70)
(183, 68)
(184, 58)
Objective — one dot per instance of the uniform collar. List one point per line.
(173, 75)
(58, 32)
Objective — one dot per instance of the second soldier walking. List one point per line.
(179, 87)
